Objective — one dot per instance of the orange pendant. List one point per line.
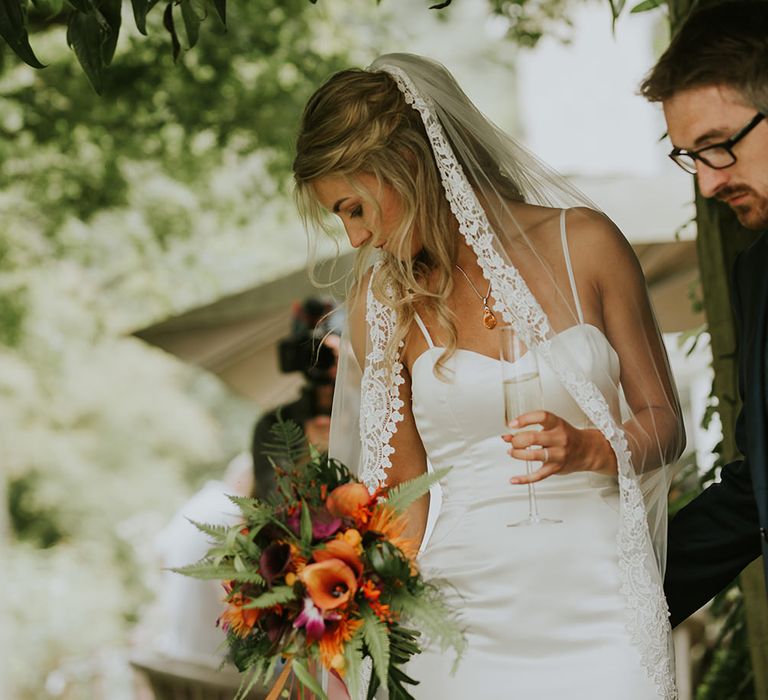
(489, 320)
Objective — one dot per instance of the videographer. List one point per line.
(312, 348)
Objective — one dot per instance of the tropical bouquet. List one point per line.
(323, 575)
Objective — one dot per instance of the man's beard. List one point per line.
(753, 213)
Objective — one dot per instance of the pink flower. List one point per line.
(311, 619)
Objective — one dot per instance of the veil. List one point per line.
(486, 177)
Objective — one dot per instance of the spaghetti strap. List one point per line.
(567, 256)
(423, 329)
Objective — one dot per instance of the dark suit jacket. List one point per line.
(721, 531)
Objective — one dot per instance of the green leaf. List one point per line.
(217, 532)
(306, 524)
(140, 9)
(250, 678)
(13, 29)
(170, 27)
(377, 641)
(208, 570)
(191, 22)
(221, 10)
(93, 37)
(308, 680)
(353, 655)
(403, 495)
(647, 5)
(279, 594)
(287, 443)
(86, 35)
(110, 11)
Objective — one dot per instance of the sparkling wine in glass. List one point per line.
(521, 383)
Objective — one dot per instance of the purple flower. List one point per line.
(273, 561)
(311, 619)
(324, 524)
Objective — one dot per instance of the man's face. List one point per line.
(703, 116)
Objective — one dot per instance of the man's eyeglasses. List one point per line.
(718, 155)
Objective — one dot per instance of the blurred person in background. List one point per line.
(182, 621)
(312, 348)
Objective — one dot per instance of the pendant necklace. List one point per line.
(489, 320)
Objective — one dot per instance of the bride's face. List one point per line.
(363, 222)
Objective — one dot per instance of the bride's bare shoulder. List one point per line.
(597, 244)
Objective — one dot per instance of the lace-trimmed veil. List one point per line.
(471, 153)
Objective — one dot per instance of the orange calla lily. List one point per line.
(343, 550)
(330, 583)
(345, 500)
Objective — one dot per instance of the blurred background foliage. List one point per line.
(166, 191)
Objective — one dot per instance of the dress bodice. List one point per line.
(460, 417)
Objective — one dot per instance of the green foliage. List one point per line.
(433, 617)
(13, 29)
(279, 594)
(403, 495)
(730, 675)
(376, 637)
(37, 524)
(288, 442)
(308, 680)
(353, 657)
(93, 27)
(208, 570)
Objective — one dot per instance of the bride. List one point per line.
(459, 230)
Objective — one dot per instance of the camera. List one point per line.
(304, 351)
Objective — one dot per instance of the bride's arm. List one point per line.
(655, 432)
(409, 460)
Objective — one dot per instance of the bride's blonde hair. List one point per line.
(358, 122)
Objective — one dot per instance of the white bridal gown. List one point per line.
(542, 607)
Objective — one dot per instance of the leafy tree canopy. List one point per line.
(93, 27)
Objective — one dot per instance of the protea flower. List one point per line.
(330, 583)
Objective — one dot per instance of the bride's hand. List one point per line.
(561, 448)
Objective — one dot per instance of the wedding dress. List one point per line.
(573, 610)
(542, 606)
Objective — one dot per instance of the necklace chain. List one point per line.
(489, 320)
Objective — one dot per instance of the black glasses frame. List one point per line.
(726, 146)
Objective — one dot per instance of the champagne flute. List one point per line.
(522, 394)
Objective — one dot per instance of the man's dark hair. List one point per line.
(719, 44)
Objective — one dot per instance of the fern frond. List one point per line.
(217, 532)
(400, 497)
(208, 570)
(287, 442)
(353, 655)
(279, 594)
(375, 634)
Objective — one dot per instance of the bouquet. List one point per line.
(323, 576)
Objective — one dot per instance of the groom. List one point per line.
(712, 82)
